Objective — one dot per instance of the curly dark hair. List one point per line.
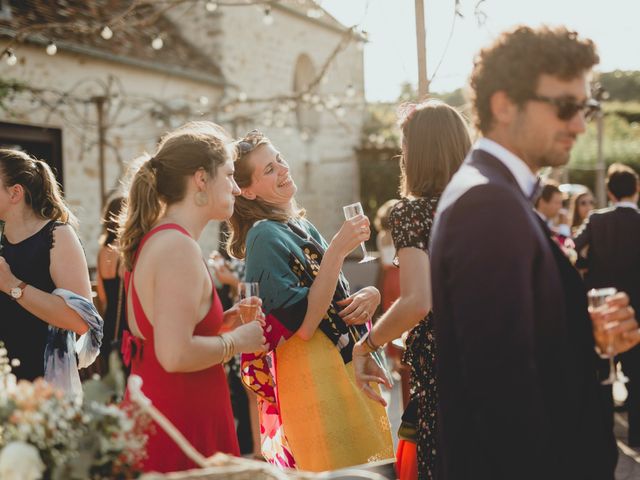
(515, 61)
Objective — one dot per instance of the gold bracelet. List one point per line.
(232, 347)
(225, 347)
(229, 347)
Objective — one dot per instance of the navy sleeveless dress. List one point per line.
(23, 334)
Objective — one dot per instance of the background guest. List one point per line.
(389, 284)
(581, 206)
(109, 285)
(610, 242)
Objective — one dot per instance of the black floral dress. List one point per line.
(411, 222)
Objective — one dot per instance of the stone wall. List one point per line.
(256, 59)
(132, 129)
(259, 60)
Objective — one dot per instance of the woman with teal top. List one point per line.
(313, 416)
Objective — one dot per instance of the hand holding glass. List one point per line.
(351, 211)
(597, 298)
(249, 301)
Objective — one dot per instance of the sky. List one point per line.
(390, 55)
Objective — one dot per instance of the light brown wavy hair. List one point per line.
(574, 210)
(161, 180)
(246, 212)
(42, 192)
(515, 61)
(435, 141)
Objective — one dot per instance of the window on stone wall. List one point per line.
(308, 118)
(43, 143)
(5, 10)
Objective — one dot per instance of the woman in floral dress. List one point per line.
(435, 141)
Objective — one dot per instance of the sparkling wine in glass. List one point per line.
(597, 298)
(351, 211)
(249, 301)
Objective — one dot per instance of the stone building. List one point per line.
(90, 86)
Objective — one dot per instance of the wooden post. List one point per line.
(421, 37)
(99, 101)
(601, 194)
(601, 95)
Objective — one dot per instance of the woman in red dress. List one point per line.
(173, 311)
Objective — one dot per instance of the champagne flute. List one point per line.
(249, 301)
(351, 211)
(597, 298)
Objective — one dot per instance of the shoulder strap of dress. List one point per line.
(153, 231)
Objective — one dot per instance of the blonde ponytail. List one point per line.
(162, 179)
(141, 211)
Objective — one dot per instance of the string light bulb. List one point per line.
(51, 49)
(242, 97)
(106, 33)
(11, 58)
(211, 6)
(315, 13)
(268, 18)
(351, 92)
(204, 101)
(157, 43)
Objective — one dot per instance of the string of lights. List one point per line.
(140, 14)
(235, 108)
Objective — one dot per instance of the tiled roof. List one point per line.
(75, 25)
(301, 7)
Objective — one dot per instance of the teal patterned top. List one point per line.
(284, 258)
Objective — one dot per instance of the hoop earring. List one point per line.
(201, 199)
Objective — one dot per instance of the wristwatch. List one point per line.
(16, 292)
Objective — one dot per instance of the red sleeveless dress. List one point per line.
(197, 403)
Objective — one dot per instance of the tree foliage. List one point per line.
(623, 86)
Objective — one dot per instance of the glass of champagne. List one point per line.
(249, 301)
(597, 298)
(351, 211)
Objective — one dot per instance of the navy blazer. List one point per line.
(518, 393)
(612, 236)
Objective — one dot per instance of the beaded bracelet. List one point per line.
(370, 343)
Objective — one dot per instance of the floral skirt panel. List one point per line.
(421, 357)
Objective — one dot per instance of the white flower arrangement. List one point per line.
(44, 431)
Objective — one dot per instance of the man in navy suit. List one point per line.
(518, 393)
(610, 241)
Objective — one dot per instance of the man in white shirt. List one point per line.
(518, 393)
(549, 203)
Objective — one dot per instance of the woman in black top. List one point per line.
(40, 252)
(435, 141)
(109, 281)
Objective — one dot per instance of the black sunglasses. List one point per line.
(567, 107)
(249, 142)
